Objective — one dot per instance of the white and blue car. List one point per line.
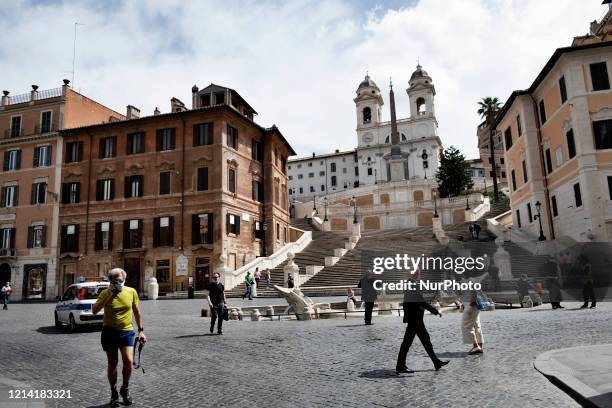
(74, 306)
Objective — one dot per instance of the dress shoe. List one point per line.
(593, 306)
(369, 324)
(560, 307)
(403, 370)
(440, 363)
(584, 306)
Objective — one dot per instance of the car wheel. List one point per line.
(58, 324)
(72, 324)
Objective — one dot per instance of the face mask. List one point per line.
(119, 285)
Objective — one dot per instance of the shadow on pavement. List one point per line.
(453, 354)
(64, 330)
(379, 374)
(100, 406)
(351, 325)
(195, 335)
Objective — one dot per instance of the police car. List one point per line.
(74, 306)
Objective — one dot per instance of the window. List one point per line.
(332, 167)
(529, 215)
(344, 170)
(301, 190)
(571, 145)
(45, 122)
(518, 218)
(135, 143)
(202, 228)
(70, 238)
(299, 166)
(74, 152)
(300, 176)
(599, 76)
(322, 187)
(258, 230)
(333, 181)
(108, 147)
(290, 178)
(12, 160)
(162, 270)
(105, 190)
(219, 98)
(103, 236)
(7, 238)
(367, 115)
(233, 224)
(165, 139)
(508, 138)
(553, 202)
(321, 174)
(501, 160)
(231, 180)
(310, 175)
(164, 182)
(369, 171)
(132, 234)
(312, 189)
(310, 164)
(549, 167)
(610, 187)
(559, 156)
(603, 134)
(577, 195)
(503, 174)
(37, 236)
(16, 126)
(202, 134)
(133, 186)
(71, 193)
(202, 179)
(513, 175)
(42, 156)
(525, 178)
(356, 171)
(562, 90)
(257, 151)
(205, 100)
(258, 192)
(277, 231)
(10, 196)
(163, 231)
(519, 125)
(542, 112)
(232, 137)
(39, 193)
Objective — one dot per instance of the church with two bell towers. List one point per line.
(400, 149)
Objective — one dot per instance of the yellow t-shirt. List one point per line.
(118, 312)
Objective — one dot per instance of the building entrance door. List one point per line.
(132, 268)
(202, 273)
(5, 274)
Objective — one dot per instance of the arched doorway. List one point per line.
(5, 273)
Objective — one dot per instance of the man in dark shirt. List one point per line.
(216, 302)
(414, 307)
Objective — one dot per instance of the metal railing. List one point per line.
(8, 252)
(27, 97)
(8, 133)
(38, 130)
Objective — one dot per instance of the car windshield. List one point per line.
(90, 292)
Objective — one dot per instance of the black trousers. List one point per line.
(216, 313)
(415, 328)
(369, 306)
(588, 293)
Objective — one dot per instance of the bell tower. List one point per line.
(368, 103)
(421, 92)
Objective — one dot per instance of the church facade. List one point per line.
(416, 146)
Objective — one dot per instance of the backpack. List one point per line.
(482, 303)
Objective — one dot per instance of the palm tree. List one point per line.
(488, 108)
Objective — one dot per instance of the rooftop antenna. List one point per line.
(74, 49)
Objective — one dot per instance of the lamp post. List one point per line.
(435, 204)
(265, 228)
(354, 203)
(539, 217)
(424, 156)
(325, 202)
(467, 202)
(314, 203)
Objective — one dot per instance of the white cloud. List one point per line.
(298, 62)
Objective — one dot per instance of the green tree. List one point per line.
(488, 109)
(453, 174)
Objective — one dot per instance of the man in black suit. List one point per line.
(414, 307)
(368, 294)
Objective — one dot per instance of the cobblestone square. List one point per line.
(319, 363)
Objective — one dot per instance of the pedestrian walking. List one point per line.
(522, 288)
(549, 270)
(119, 302)
(470, 320)
(249, 281)
(368, 295)
(216, 303)
(257, 276)
(7, 291)
(477, 231)
(586, 276)
(268, 278)
(471, 230)
(414, 308)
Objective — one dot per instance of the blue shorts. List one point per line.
(112, 339)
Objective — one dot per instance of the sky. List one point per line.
(298, 62)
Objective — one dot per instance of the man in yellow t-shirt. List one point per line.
(119, 303)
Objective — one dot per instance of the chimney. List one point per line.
(176, 105)
(132, 112)
(6, 99)
(313, 154)
(156, 111)
(337, 150)
(34, 93)
(194, 97)
(65, 87)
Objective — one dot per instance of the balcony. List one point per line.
(10, 133)
(8, 252)
(38, 130)
(27, 97)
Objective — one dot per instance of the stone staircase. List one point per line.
(323, 245)
(455, 231)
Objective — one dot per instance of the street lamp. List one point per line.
(314, 203)
(325, 201)
(539, 218)
(467, 202)
(424, 156)
(354, 202)
(265, 228)
(434, 193)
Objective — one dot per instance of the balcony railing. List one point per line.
(38, 130)
(8, 133)
(8, 253)
(27, 97)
